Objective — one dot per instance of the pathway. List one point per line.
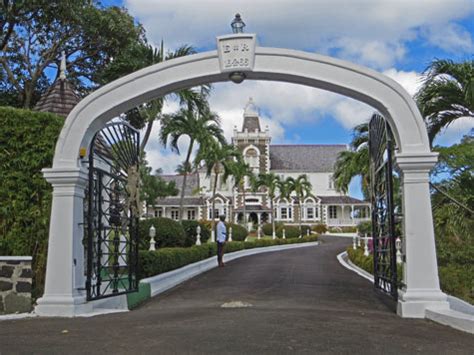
(302, 301)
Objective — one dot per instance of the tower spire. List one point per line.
(62, 67)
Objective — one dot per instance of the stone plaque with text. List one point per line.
(236, 52)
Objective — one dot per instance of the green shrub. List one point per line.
(305, 229)
(358, 258)
(320, 228)
(190, 230)
(27, 141)
(290, 232)
(162, 260)
(364, 227)
(458, 280)
(267, 229)
(169, 233)
(239, 233)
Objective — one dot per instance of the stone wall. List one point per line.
(15, 284)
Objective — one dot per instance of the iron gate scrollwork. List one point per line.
(383, 218)
(112, 212)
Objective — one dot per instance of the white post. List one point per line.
(307, 232)
(366, 245)
(421, 288)
(358, 241)
(398, 247)
(259, 231)
(230, 234)
(65, 281)
(354, 246)
(283, 233)
(198, 235)
(152, 234)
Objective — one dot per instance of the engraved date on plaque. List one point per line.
(236, 52)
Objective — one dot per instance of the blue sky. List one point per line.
(396, 37)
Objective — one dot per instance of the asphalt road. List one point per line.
(302, 301)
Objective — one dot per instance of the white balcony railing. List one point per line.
(346, 221)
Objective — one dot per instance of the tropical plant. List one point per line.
(239, 170)
(140, 56)
(200, 127)
(217, 158)
(272, 183)
(354, 162)
(447, 94)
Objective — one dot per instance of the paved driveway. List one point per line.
(302, 301)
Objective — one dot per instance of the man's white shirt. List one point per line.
(221, 232)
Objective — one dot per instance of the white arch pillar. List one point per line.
(64, 275)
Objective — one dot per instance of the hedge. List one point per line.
(320, 228)
(190, 231)
(290, 232)
(364, 227)
(169, 233)
(28, 140)
(166, 259)
(239, 233)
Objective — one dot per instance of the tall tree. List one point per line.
(141, 55)
(354, 162)
(217, 159)
(199, 127)
(302, 188)
(271, 182)
(239, 170)
(447, 94)
(36, 32)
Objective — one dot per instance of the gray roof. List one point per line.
(59, 99)
(251, 123)
(317, 158)
(174, 201)
(341, 200)
(192, 183)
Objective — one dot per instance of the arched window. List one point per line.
(310, 209)
(219, 209)
(285, 211)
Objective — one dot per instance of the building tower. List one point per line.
(254, 144)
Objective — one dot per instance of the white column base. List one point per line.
(66, 306)
(414, 303)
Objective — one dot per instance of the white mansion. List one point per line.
(324, 205)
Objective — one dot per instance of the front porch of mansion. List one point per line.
(334, 211)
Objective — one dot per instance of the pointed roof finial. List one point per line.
(62, 68)
(251, 109)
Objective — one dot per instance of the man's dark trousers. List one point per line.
(220, 253)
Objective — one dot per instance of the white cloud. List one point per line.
(411, 81)
(372, 32)
(455, 131)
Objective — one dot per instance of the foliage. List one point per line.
(354, 162)
(458, 280)
(364, 228)
(358, 258)
(239, 233)
(239, 170)
(28, 140)
(37, 32)
(190, 230)
(320, 228)
(447, 94)
(167, 259)
(342, 229)
(153, 186)
(169, 233)
(304, 229)
(271, 182)
(199, 125)
(290, 232)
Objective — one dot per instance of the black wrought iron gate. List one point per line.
(112, 212)
(383, 218)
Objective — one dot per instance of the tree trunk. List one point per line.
(273, 217)
(214, 188)
(301, 216)
(244, 208)
(185, 176)
(146, 137)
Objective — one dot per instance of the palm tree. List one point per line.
(217, 158)
(272, 183)
(239, 170)
(198, 126)
(447, 94)
(354, 162)
(184, 168)
(140, 56)
(302, 188)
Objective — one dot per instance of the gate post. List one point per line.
(421, 288)
(63, 294)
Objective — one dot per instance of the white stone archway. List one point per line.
(237, 53)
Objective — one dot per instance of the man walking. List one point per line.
(221, 239)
